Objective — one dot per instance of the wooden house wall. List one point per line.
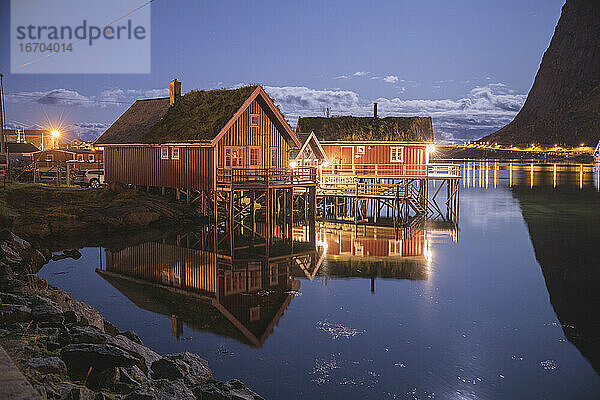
(142, 165)
(180, 267)
(265, 135)
(415, 157)
(57, 155)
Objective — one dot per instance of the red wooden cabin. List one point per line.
(203, 141)
(373, 147)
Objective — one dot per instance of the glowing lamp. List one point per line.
(325, 164)
(293, 164)
(55, 134)
(430, 148)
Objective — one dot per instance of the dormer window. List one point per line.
(254, 120)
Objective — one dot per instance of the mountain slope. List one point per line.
(563, 106)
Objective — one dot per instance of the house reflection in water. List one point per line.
(379, 252)
(242, 297)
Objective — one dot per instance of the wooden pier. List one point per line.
(398, 200)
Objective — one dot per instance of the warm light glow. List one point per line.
(582, 144)
(55, 134)
(325, 164)
(293, 164)
(430, 148)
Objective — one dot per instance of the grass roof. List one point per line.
(198, 115)
(409, 129)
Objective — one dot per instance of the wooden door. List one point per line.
(347, 158)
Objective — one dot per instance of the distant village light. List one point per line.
(55, 134)
(293, 164)
(430, 148)
(325, 164)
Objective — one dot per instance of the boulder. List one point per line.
(132, 336)
(48, 312)
(169, 369)
(80, 357)
(143, 392)
(198, 367)
(172, 390)
(215, 390)
(148, 355)
(48, 365)
(70, 391)
(14, 313)
(9, 255)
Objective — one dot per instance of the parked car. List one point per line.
(89, 177)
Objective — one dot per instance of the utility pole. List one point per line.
(2, 141)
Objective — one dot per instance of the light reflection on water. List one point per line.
(482, 310)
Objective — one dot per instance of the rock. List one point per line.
(12, 313)
(87, 334)
(132, 376)
(47, 312)
(215, 390)
(144, 392)
(9, 298)
(85, 314)
(70, 317)
(169, 369)
(80, 357)
(48, 365)
(110, 328)
(105, 379)
(198, 367)
(70, 391)
(148, 355)
(132, 336)
(172, 390)
(10, 256)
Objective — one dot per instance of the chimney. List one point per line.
(175, 91)
(375, 110)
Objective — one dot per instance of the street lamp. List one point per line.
(55, 135)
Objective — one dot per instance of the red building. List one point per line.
(204, 141)
(373, 147)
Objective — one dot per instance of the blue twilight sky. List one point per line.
(468, 64)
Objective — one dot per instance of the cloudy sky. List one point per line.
(468, 64)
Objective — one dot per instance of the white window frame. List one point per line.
(175, 153)
(257, 124)
(274, 156)
(164, 153)
(360, 150)
(91, 158)
(397, 154)
(80, 158)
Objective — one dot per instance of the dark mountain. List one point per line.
(563, 106)
(564, 227)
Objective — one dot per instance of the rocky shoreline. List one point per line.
(67, 350)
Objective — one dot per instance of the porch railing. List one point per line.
(395, 170)
(266, 176)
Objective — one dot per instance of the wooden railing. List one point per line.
(392, 169)
(364, 189)
(266, 176)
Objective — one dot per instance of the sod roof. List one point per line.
(348, 128)
(199, 115)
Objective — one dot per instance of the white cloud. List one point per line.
(391, 79)
(59, 97)
(361, 73)
(341, 77)
(483, 110)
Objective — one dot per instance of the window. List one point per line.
(175, 153)
(396, 154)
(50, 157)
(80, 157)
(254, 120)
(360, 150)
(91, 158)
(254, 157)
(164, 153)
(255, 313)
(274, 156)
(234, 157)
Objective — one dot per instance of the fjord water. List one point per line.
(503, 306)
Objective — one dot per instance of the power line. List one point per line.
(86, 36)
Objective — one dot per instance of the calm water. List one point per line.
(503, 306)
